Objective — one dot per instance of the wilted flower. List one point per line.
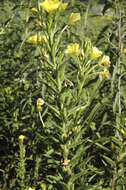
(95, 53)
(74, 17)
(38, 25)
(66, 162)
(105, 73)
(36, 38)
(105, 61)
(46, 56)
(21, 137)
(53, 5)
(68, 82)
(73, 49)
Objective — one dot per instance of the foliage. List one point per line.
(62, 100)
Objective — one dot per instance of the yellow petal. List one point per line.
(50, 5)
(74, 17)
(124, 50)
(21, 137)
(63, 6)
(95, 53)
(36, 38)
(73, 49)
(40, 102)
(122, 131)
(104, 61)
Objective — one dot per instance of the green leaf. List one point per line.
(102, 147)
(110, 161)
(54, 109)
(77, 109)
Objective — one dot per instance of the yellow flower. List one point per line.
(40, 102)
(74, 17)
(36, 38)
(34, 11)
(8, 89)
(63, 6)
(104, 61)
(105, 73)
(21, 137)
(73, 49)
(122, 131)
(95, 53)
(43, 186)
(124, 50)
(30, 188)
(53, 5)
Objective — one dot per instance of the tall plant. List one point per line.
(71, 82)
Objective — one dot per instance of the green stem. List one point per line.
(41, 119)
(21, 167)
(70, 185)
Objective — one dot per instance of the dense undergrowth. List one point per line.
(62, 95)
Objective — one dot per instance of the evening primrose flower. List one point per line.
(53, 5)
(73, 49)
(36, 38)
(95, 53)
(40, 102)
(104, 61)
(74, 17)
(21, 137)
(105, 73)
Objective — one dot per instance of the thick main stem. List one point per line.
(70, 185)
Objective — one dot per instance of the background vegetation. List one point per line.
(77, 138)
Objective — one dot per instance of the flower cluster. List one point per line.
(105, 61)
(73, 49)
(95, 53)
(36, 39)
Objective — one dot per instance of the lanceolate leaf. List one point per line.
(110, 161)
